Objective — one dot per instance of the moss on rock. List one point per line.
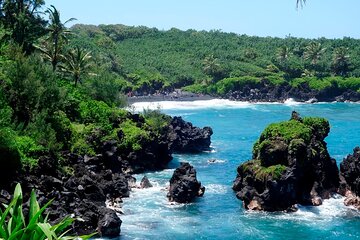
(287, 130)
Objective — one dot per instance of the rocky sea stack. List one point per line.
(184, 187)
(350, 179)
(290, 165)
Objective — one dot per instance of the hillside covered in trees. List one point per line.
(145, 60)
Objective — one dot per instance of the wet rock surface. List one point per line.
(350, 178)
(290, 165)
(184, 186)
(184, 137)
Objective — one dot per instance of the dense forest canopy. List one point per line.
(143, 57)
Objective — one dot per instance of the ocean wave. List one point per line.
(292, 102)
(205, 104)
(330, 209)
(216, 189)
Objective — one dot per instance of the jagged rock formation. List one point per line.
(109, 224)
(145, 183)
(184, 137)
(290, 165)
(184, 187)
(350, 179)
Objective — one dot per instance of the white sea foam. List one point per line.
(330, 209)
(185, 105)
(292, 102)
(216, 189)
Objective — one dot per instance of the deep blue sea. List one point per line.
(219, 215)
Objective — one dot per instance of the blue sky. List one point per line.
(319, 18)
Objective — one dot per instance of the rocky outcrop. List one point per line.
(267, 92)
(109, 224)
(184, 137)
(350, 178)
(184, 187)
(290, 165)
(145, 183)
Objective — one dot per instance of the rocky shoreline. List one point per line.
(262, 92)
(266, 92)
(95, 188)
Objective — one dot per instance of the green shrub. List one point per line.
(276, 79)
(263, 173)
(10, 159)
(29, 150)
(62, 126)
(134, 137)
(156, 120)
(40, 129)
(93, 111)
(274, 172)
(320, 126)
(287, 130)
(17, 224)
(234, 84)
(349, 83)
(313, 82)
(6, 113)
(79, 141)
(195, 88)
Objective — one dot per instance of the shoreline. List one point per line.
(183, 97)
(198, 97)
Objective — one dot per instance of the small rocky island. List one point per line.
(290, 165)
(184, 186)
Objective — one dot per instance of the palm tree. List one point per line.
(211, 66)
(283, 53)
(300, 3)
(76, 64)
(313, 52)
(341, 61)
(57, 35)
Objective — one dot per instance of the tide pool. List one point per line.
(219, 215)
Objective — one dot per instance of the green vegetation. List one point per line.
(321, 125)
(146, 60)
(263, 173)
(59, 96)
(16, 224)
(287, 130)
(279, 140)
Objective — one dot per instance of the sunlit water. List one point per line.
(219, 215)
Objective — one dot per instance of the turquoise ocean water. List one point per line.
(219, 215)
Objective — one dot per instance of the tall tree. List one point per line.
(22, 20)
(211, 67)
(76, 64)
(283, 54)
(57, 35)
(341, 61)
(313, 52)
